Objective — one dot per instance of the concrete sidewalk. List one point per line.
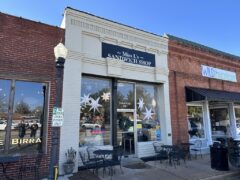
(192, 170)
(195, 169)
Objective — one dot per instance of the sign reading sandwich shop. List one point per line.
(128, 55)
(216, 73)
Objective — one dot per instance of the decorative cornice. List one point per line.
(117, 34)
(116, 63)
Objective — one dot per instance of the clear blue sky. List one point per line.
(214, 23)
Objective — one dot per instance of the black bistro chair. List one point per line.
(177, 154)
(160, 153)
(89, 164)
(114, 160)
(92, 156)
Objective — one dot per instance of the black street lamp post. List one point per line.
(60, 53)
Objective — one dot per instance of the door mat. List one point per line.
(84, 175)
(138, 166)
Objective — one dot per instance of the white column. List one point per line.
(165, 117)
(207, 122)
(71, 105)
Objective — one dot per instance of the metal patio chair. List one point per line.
(89, 164)
(160, 152)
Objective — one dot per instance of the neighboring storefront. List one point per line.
(115, 89)
(27, 91)
(204, 92)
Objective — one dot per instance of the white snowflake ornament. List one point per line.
(140, 103)
(148, 114)
(94, 104)
(84, 100)
(106, 96)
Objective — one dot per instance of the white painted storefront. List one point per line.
(84, 38)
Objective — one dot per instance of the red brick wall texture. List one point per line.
(185, 70)
(26, 53)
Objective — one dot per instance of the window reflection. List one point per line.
(148, 120)
(195, 122)
(4, 102)
(26, 131)
(220, 123)
(95, 112)
(25, 127)
(125, 95)
(237, 115)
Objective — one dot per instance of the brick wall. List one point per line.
(26, 53)
(185, 70)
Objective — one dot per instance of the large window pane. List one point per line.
(195, 122)
(237, 115)
(4, 102)
(95, 112)
(220, 123)
(125, 95)
(148, 120)
(27, 123)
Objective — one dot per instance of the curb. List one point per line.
(232, 174)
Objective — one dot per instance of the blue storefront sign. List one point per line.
(216, 73)
(128, 55)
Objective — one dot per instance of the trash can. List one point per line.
(219, 157)
(234, 152)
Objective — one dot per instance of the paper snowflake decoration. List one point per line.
(148, 114)
(94, 104)
(140, 103)
(106, 96)
(84, 100)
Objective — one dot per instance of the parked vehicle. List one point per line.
(89, 125)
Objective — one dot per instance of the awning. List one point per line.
(199, 94)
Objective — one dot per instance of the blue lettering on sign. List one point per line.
(216, 73)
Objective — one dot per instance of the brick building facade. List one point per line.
(27, 61)
(187, 61)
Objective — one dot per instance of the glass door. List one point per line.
(126, 117)
(219, 123)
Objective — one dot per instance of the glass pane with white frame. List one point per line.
(95, 128)
(237, 116)
(195, 121)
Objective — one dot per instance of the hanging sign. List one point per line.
(216, 73)
(57, 117)
(128, 55)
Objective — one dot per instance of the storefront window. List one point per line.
(237, 116)
(4, 102)
(148, 121)
(25, 130)
(220, 123)
(95, 112)
(125, 95)
(195, 122)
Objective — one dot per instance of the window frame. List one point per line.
(110, 102)
(197, 105)
(12, 89)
